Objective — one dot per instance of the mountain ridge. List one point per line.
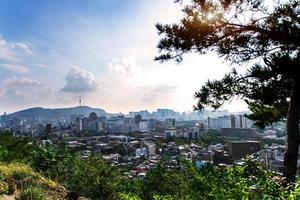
(50, 113)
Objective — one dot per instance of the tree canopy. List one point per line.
(93, 178)
(240, 31)
(264, 87)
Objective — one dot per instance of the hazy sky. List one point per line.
(52, 52)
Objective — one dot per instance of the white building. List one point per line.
(144, 125)
(151, 148)
(229, 121)
(141, 152)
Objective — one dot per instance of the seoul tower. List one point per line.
(80, 101)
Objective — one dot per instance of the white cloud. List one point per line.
(14, 51)
(22, 90)
(161, 85)
(156, 94)
(80, 81)
(20, 46)
(13, 55)
(125, 67)
(6, 53)
(41, 65)
(15, 67)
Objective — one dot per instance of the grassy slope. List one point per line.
(22, 182)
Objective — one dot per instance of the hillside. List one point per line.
(50, 113)
(20, 181)
(94, 178)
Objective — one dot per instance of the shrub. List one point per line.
(32, 193)
(129, 196)
(96, 179)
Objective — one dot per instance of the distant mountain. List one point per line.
(50, 113)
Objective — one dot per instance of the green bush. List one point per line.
(96, 179)
(32, 193)
(249, 181)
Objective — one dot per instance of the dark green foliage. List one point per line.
(96, 179)
(249, 181)
(162, 181)
(212, 137)
(18, 149)
(239, 31)
(222, 26)
(91, 177)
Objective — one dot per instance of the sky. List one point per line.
(52, 53)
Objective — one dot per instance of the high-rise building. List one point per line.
(144, 125)
(239, 149)
(137, 119)
(229, 121)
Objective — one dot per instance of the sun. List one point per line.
(210, 16)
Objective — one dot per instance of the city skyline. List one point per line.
(50, 54)
(151, 99)
(132, 111)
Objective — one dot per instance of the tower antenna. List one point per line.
(80, 101)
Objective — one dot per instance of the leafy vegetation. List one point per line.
(94, 178)
(90, 177)
(211, 137)
(269, 33)
(249, 181)
(21, 179)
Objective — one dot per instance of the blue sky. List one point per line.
(52, 52)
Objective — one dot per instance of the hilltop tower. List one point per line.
(80, 101)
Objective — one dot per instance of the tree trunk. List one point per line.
(291, 154)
